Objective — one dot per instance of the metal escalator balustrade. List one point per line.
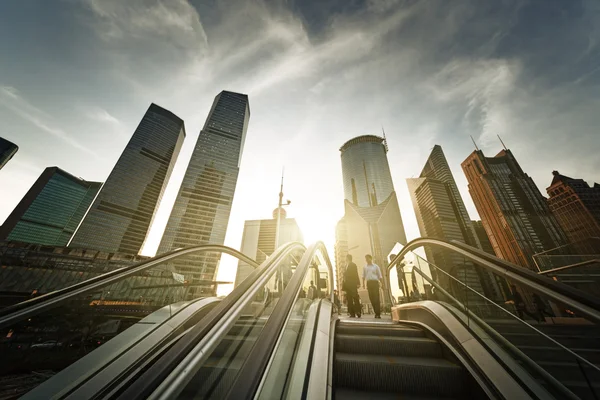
(205, 362)
(49, 334)
(560, 352)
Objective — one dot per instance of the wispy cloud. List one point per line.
(101, 115)
(11, 99)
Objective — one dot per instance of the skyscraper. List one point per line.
(481, 234)
(371, 213)
(514, 213)
(341, 250)
(201, 211)
(7, 151)
(576, 206)
(119, 218)
(441, 214)
(51, 210)
(258, 240)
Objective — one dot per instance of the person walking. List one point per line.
(371, 278)
(312, 291)
(351, 285)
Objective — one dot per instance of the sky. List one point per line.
(76, 77)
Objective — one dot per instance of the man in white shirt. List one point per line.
(372, 276)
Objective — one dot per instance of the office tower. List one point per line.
(341, 250)
(441, 214)
(482, 236)
(202, 207)
(371, 212)
(258, 240)
(122, 213)
(7, 151)
(576, 206)
(51, 210)
(514, 213)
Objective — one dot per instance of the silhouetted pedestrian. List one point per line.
(372, 277)
(350, 286)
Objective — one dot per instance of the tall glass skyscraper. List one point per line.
(365, 170)
(7, 151)
(119, 219)
(202, 207)
(372, 221)
(441, 214)
(514, 213)
(51, 210)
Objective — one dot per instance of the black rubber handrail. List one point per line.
(255, 365)
(29, 308)
(145, 384)
(575, 299)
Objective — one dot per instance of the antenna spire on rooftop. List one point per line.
(503, 145)
(474, 144)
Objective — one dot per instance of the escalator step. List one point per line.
(378, 330)
(402, 375)
(388, 345)
(349, 394)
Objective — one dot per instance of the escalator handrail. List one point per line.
(555, 383)
(29, 308)
(493, 303)
(254, 367)
(575, 299)
(177, 357)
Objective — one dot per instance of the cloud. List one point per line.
(163, 23)
(11, 99)
(100, 115)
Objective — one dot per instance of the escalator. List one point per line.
(385, 360)
(267, 340)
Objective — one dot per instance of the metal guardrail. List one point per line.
(577, 300)
(165, 378)
(29, 308)
(256, 363)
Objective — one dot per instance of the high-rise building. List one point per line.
(576, 206)
(50, 211)
(122, 213)
(482, 236)
(258, 240)
(514, 213)
(7, 151)
(341, 250)
(372, 217)
(441, 214)
(202, 207)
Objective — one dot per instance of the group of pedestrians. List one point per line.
(371, 280)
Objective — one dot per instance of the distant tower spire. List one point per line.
(385, 144)
(503, 145)
(474, 144)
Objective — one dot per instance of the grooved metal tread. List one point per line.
(397, 360)
(405, 346)
(349, 394)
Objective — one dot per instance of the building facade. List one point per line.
(441, 214)
(122, 213)
(373, 224)
(7, 151)
(51, 210)
(258, 240)
(202, 207)
(341, 250)
(514, 213)
(576, 206)
(482, 236)
(36, 269)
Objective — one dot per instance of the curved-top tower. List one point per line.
(372, 223)
(366, 172)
